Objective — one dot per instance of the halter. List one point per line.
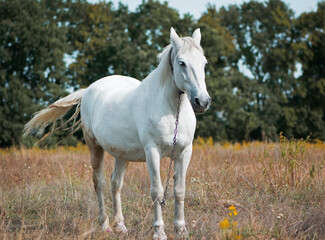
(170, 61)
(172, 68)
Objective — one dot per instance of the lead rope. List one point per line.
(163, 202)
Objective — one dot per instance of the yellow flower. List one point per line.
(232, 208)
(230, 214)
(238, 237)
(235, 213)
(224, 224)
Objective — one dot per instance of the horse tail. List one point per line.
(53, 112)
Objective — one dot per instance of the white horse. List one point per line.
(134, 121)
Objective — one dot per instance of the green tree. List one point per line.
(116, 41)
(230, 116)
(149, 28)
(308, 99)
(33, 41)
(90, 43)
(265, 37)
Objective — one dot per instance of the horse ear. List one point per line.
(174, 38)
(197, 36)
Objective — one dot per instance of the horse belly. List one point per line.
(118, 136)
(128, 154)
(121, 142)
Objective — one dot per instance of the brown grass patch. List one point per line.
(48, 194)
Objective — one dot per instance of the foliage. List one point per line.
(116, 41)
(272, 44)
(229, 117)
(32, 71)
(307, 103)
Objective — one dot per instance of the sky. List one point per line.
(197, 7)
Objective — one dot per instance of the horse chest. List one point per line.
(164, 133)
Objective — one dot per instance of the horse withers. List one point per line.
(134, 122)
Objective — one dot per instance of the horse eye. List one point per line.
(182, 63)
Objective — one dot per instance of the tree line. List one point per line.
(265, 74)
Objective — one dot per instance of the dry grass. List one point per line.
(278, 193)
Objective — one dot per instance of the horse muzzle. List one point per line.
(201, 103)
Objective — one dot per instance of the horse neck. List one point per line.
(163, 88)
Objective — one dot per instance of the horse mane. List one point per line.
(164, 67)
(166, 56)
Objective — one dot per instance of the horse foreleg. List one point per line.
(96, 156)
(181, 165)
(156, 189)
(117, 184)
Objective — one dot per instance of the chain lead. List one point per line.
(163, 202)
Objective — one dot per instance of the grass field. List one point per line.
(278, 190)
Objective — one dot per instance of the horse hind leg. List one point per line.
(96, 157)
(117, 184)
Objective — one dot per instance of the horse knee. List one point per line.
(179, 194)
(115, 186)
(99, 181)
(157, 194)
(117, 183)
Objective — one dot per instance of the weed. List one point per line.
(48, 194)
(229, 226)
(286, 165)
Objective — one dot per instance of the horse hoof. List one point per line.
(120, 228)
(160, 235)
(105, 225)
(181, 232)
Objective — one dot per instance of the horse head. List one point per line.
(188, 64)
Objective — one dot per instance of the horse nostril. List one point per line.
(197, 101)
